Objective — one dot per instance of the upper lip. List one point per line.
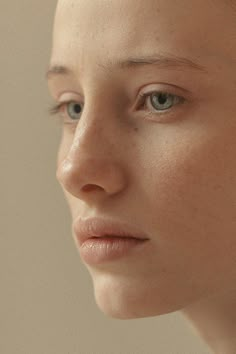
(98, 227)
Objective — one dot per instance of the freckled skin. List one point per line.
(175, 178)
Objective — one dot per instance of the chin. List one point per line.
(127, 300)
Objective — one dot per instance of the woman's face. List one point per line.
(172, 174)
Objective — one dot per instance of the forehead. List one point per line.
(113, 28)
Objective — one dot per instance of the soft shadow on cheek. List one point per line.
(194, 190)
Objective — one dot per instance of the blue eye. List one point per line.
(160, 101)
(73, 110)
(155, 102)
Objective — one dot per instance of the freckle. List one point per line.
(136, 129)
(217, 187)
(163, 270)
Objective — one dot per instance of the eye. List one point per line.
(73, 110)
(69, 109)
(161, 102)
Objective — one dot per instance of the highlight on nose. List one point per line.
(62, 170)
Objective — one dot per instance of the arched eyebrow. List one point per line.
(58, 70)
(161, 61)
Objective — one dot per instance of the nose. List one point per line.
(92, 168)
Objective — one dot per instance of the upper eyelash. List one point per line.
(55, 109)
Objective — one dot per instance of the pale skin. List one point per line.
(173, 174)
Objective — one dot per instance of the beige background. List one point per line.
(47, 304)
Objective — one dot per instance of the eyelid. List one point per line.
(167, 88)
(69, 96)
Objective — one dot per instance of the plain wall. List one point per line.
(47, 304)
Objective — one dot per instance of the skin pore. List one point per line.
(173, 175)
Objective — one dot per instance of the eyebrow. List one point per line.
(161, 61)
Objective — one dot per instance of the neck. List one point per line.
(214, 319)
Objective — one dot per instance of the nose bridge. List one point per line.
(91, 138)
(100, 126)
(82, 141)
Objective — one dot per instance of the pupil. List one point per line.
(77, 109)
(162, 98)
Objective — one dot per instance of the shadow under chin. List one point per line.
(124, 307)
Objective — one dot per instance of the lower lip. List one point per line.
(98, 250)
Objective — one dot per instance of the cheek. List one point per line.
(193, 204)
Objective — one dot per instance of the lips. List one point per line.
(98, 227)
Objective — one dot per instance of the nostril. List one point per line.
(91, 187)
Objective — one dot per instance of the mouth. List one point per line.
(97, 228)
(109, 248)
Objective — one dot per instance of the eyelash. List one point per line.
(54, 110)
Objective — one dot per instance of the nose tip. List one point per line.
(88, 177)
(92, 164)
